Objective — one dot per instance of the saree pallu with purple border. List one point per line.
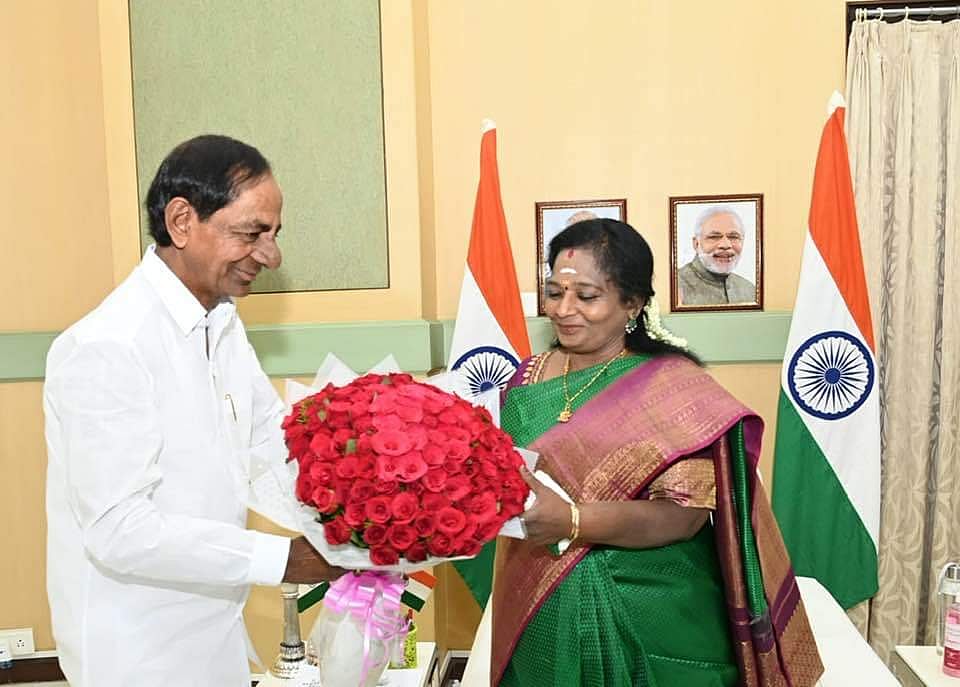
(639, 426)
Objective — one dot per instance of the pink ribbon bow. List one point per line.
(373, 598)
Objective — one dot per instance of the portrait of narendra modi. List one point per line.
(716, 252)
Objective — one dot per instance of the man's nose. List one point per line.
(267, 252)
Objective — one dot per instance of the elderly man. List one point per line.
(708, 279)
(156, 409)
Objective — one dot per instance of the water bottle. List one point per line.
(948, 592)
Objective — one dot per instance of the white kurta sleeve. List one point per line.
(102, 396)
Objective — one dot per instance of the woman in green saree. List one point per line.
(653, 591)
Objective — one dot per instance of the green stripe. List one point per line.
(313, 597)
(412, 600)
(421, 345)
(478, 573)
(823, 532)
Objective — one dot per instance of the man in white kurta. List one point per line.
(156, 411)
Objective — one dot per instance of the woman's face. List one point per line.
(584, 306)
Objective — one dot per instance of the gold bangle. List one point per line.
(575, 521)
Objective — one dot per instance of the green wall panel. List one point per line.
(421, 345)
(299, 79)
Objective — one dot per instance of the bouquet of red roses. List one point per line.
(402, 470)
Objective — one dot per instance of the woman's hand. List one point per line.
(550, 519)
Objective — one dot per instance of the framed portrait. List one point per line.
(555, 216)
(716, 252)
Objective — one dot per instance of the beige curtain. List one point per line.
(903, 129)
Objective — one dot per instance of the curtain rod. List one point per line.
(881, 13)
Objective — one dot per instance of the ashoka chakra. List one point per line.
(831, 375)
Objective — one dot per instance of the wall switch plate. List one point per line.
(20, 640)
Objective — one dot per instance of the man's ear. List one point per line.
(179, 217)
(696, 244)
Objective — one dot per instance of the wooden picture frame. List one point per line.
(552, 217)
(723, 270)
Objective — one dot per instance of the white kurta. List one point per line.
(155, 410)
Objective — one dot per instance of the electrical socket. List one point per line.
(21, 641)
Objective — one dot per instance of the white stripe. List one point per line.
(850, 444)
(421, 591)
(476, 324)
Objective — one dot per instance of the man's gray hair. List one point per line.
(713, 211)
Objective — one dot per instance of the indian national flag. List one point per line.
(490, 334)
(826, 485)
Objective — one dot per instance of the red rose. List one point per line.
(347, 467)
(337, 420)
(337, 531)
(321, 473)
(359, 407)
(387, 486)
(416, 553)
(391, 443)
(366, 467)
(378, 509)
(429, 421)
(452, 467)
(432, 502)
(410, 467)
(322, 445)
(342, 436)
(362, 490)
(489, 529)
(324, 500)
(450, 520)
(468, 547)
(410, 413)
(355, 514)
(440, 545)
(457, 487)
(375, 535)
(401, 536)
(434, 455)
(414, 391)
(457, 434)
(388, 423)
(458, 450)
(488, 468)
(482, 506)
(384, 555)
(418, 435)
(387, 467)
(339, 406)
(404, 506)
(434, 480)
(304, 488)
(425, 524)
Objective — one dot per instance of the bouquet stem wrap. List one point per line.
(365, 603)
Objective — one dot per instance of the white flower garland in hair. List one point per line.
(655, 328)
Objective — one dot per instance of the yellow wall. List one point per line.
(641, 100)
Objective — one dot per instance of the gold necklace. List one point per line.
(567, 411)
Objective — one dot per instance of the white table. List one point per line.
(920, 666)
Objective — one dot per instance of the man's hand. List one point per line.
(306, 566)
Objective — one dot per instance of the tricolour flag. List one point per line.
(490, 334)
(826, 484)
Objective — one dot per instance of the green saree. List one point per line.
(720, 609)
(650, 618)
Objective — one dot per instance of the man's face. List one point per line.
(719, 243)
(225, 253)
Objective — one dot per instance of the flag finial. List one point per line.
(836, 100)
(486, 125)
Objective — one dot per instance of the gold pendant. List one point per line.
(565, 415)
